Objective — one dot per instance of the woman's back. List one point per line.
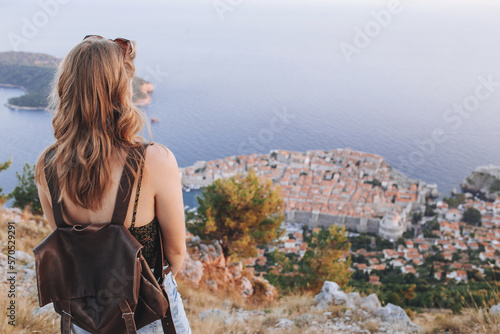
(74, 214)
(97, 131)
(160, 199)
(145, 231)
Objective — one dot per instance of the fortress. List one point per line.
(391, 226)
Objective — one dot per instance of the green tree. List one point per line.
(416, 217)
(429, 210)
(495, 186)
(241, 212)
(472, 216)
(321, 261)
(3, 166)
(26, 193)
(433, 224)
(454, 202)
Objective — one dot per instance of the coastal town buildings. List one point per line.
(354, 189)
(361, 192)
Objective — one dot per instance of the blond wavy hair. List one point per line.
(94, 122)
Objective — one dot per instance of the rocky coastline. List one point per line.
(146, 88)
(484, 181)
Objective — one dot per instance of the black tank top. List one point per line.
(147, 235)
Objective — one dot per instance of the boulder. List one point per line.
(23, 257)
(211, 284)
(205, 264)
(282, 323)
(192, 270)
(270, 292)
(396, 318)
(210, 254)
(495, 310)
(213, 314)
(353, 300)
(370, 303)
(246, 287)
(46, 309)
(330, 294)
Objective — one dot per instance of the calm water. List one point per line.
(220, 83)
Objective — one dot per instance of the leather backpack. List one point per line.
(96, 275)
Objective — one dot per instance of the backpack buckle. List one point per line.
(127, 313)
(67, 313)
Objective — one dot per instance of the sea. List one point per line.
(417, 82)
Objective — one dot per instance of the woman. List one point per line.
(96, 127)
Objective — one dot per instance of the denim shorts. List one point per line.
(178, 314)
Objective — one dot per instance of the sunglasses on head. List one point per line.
(124, 43)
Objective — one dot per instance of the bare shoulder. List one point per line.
(40, 178)
(160, 159)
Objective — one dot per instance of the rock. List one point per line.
(330, 294)
(243, 315)
(370, 302)
(269, 291)
(213, 314)
(246, 287)
(211, 254)
(211, 284)
(282, 323)
(192, 270)
(206, 263)
(353, 300)
(195, 240)
(482, 180)
(49, 308)
(30, 265)
(495, 310)
(29, 274)
(23, 256)
(3, 259)
(396, 319)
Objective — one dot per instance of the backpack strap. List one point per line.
(123, 194)
(66, 316)
(137, 196)
(167, 321)
(51, 177)
(128, 315)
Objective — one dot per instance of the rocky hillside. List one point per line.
(485, 180)
(228, 299)
(205, 267)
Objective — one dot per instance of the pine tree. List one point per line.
(241, 212)
(26, 192)
(322, 260)
(3, 166)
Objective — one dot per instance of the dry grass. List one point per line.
(297, 308)
(371, 325)
(471, 321)
(28, 234)
(25, 321)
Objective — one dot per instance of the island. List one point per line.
(33, 72)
